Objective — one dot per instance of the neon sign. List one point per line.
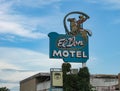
(72, 46)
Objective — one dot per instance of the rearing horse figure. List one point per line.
(76, 27)
(73, 26)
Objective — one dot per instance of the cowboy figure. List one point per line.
(80, 22)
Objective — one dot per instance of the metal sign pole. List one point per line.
(83, 65)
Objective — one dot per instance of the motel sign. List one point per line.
(72, 46)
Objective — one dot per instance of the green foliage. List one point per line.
(84, 77)
(4, 89)
(66, 67)
(76, 82)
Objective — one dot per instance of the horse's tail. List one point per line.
(89, 32)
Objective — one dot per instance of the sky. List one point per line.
(24, 41)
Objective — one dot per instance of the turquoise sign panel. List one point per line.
(72, 46)
(68, 47)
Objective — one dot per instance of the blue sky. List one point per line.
(24, 42)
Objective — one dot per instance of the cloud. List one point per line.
(17, 29)
(36, 3)
(32, 3)
(19, 25)
(112, 1)
(112, 4)
(17, 64)
(92, 1)
(14, 22)
(6, 81)
(26, 58)
(5, 65)
(108, 4)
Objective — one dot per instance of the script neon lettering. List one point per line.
(69, 42)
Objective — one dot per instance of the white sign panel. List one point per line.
(57, 79)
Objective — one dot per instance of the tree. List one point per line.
(4, 89)
(75, 82)
(84, 79)
(65, 69)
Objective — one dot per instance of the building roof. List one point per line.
(48, 75)
(104, 76)
(36, 76)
